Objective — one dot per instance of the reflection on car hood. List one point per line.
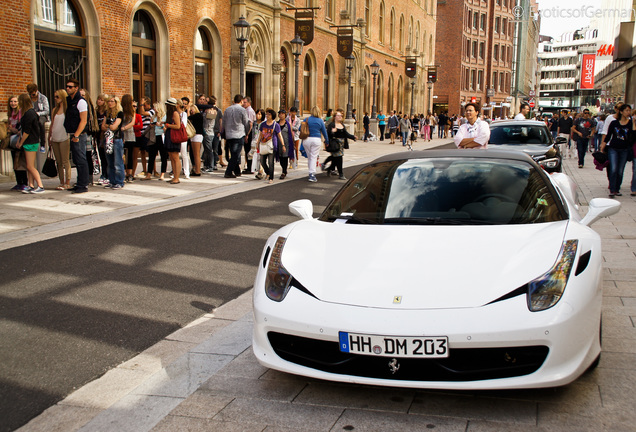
(532, 150)
(429, 267)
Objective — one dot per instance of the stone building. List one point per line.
(474, 51)
(177, 48)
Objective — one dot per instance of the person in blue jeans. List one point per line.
(115, 154)
(405, 129)
(619, 141)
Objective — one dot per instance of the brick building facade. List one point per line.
(178, 48)
(475, 53)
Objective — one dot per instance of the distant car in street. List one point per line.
(530, 136)
(436, 269)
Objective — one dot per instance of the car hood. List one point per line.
(428, 267)
(533, 150)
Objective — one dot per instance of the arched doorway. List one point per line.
(143, 56)
(60, 45)
(203, 62)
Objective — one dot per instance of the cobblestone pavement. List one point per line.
(205, 377)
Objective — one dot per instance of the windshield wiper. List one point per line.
(436, 221)
(353, 219)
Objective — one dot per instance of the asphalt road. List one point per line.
(71, 308)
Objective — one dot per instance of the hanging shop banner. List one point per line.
(345, 41)
(304, 26)
(587, 71)
(410, 67)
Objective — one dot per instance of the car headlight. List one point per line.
(277, 278)
(545, 291)
(550, 163)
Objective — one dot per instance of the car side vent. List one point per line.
(584, 260)
(269, 249)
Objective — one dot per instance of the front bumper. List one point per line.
(498, 346)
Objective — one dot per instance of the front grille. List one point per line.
(463, 364)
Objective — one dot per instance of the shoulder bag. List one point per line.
(149, 133)
(304, 130)
(190, 129)
(49, 168)
(177, 136)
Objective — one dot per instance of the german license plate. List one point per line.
(394, 346)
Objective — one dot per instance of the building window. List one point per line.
(381, 24)
(474, 54)
(497, 22)
(401, 35)
(329, 9)
(325, 87)
(482, 46)
(469, 20)
(494, 80)
(482, 23)
(475, 20)
(307, 96)
(480, 79)
(467, 51)
(367, 17)
(392, 29)
(495, 52)
(501, 81)
(466, 79)
(47, 11)
(503, 26)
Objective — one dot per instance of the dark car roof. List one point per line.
(477, 153)
(498, 123)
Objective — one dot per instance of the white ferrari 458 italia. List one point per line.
(447, 269)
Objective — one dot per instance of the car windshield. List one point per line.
(519, 134)
(446, 191)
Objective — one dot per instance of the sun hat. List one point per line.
(171, 101)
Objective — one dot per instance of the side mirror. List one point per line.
(560, 140)
(303, 208)
(600, 208)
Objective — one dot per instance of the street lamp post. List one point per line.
(429, 86)
(375, 70)
(297, 49)
(412, 95)
(242, 33)
(349, 65)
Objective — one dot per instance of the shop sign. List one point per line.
(587, 71)
(304, 26)
(345, 42)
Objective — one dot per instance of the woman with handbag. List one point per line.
(196, 119)
(256, 157)
(114, 143)
(269, 139)
(286, 151)
(30, 142)
(19, 162)
(100, 111)
(129, 108)
(338, 141)
(156, 124)
(93, 130)
(59, 142)
(174, 131)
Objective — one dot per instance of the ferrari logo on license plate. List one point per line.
(397, 299)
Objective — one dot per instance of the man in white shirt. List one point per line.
(524, 109)
(475, 133)
(75, 123)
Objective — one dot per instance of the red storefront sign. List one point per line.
(587, 71)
